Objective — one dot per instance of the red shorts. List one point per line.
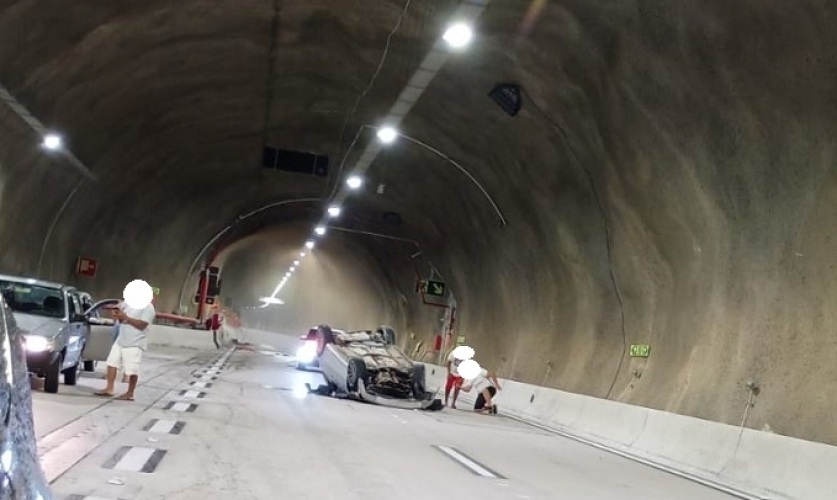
(453, 380)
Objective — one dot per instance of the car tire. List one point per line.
(324, 337)
(388, 334)
(52, 375)
(355, 371)
(419, 391)
(71, 375)
(90, 366)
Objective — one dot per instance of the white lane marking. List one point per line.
(191, 394)
(163, 426)
(202, 385)
(135, 459)
(467, 462)
(179, 407)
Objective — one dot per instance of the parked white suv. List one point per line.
(55, 327)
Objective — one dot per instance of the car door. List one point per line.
(76, 331)
(101, 333)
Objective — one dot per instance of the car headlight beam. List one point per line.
(35, 343)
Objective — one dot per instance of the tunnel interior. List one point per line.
(669, 181)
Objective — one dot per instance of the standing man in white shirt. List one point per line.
(486, 389)
(129, 347)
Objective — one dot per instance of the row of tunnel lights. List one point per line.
(457, 36)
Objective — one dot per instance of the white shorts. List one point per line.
(126, 358)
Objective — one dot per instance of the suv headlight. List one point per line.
(37, 344)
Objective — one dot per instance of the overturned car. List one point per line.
(369, 366)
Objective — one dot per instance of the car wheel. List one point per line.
(324, 337)
(71, 375)
(51, 376)
(90, 366)
(354, 372)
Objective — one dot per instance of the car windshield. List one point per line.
(34, 299)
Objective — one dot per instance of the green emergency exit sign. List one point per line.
(640, 351)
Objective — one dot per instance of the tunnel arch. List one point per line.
(706, 128)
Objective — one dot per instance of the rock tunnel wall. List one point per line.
(670, 181)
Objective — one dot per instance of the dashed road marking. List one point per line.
(468, 462)
(182, 407)
(164, 426)
(192, 394)
(135, 459)
(200, 384)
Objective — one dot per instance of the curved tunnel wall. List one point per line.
(695, 141)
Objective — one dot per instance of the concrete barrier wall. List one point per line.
(749, 463)
(162, 335)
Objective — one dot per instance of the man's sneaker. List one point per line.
(494, 410)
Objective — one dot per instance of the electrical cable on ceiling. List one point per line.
(360, 97)
(606, 225)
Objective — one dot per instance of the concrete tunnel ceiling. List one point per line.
(669, 181)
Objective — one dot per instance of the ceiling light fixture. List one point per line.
(333, 211)
(320, 230)
(458, 35)
(354, 182)
(387, 135)
(52, 141)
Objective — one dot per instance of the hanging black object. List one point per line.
(295, 161)
(508, 97)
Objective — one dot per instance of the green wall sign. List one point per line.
(640, 351)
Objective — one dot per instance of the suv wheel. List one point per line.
(71, 374)
(52, 374)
